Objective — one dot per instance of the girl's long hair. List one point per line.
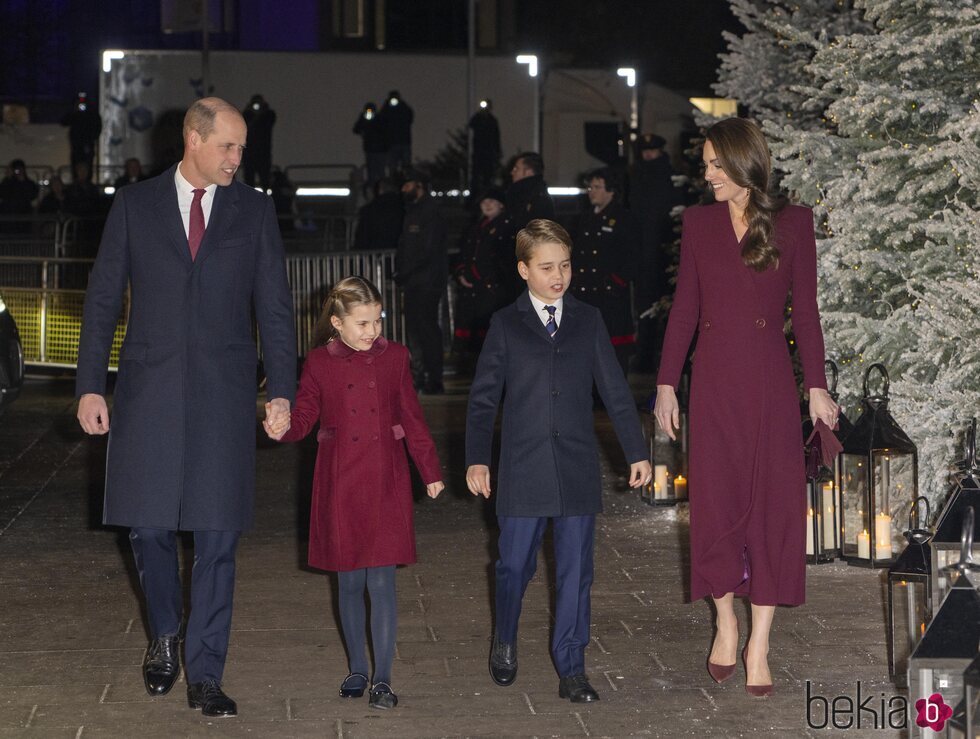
(342, 298)
(743, 153)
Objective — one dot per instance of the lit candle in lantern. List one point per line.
(829, 519)
(680, 487)
(657, 495)
(809, 531)
(883, 536)
(660, 481)
(864, 545)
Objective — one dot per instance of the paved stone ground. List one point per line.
(72, 634)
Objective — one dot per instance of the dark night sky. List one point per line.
(674, 42)
(51, 47)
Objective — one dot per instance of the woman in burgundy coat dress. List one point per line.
(740, 258)
(358, 386)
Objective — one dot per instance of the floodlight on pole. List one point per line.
(531, 60)
(629, 73)
(108, 55)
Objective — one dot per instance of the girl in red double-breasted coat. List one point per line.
(740, 258)
(359, 387)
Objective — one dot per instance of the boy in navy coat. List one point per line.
(547, 349)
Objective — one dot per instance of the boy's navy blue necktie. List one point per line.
(551, 325)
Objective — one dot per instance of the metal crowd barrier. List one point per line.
(45, 296)
(311, 277)
(49, 316)
(304, 232)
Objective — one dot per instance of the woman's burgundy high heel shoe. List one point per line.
(720, 673)
(756, 691)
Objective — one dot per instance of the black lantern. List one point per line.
(879, 480)
(660, 491)
(946, 540)
(909, 607)
(669, 457)
(823, 490)
(949, 645)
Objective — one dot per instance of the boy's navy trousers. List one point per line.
(519, 543)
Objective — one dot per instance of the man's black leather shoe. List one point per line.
(577, 689)
(503, 662)
(161, 664)
(210, 698)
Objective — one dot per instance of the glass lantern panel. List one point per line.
(821, 518)
(910, 617)
(942, 579)
(854, 518)
(972, 700)
(923, 683)
(893, 485)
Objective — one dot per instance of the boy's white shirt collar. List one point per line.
(542, 313)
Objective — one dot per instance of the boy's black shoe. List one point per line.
(577, 689)
(503, 663)
(211, 699)
(161, 664)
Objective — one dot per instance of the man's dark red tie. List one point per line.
(195, 231)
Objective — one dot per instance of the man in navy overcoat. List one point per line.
(542, 355)
(199, 252)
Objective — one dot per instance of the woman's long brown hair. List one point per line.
(347, 293)
(743, 153)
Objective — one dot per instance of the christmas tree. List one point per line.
(893, 175)
(872, 112)
(765, 68)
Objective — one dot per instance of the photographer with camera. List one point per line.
(370, 127)
(259, 118)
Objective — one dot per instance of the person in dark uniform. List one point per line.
(370, 127)
(17, 195)
(421, 270)
(527, 197)
(259, 118)
(484, 274)
(379, 223)
(652, 196)
(396, 121)
(84, 127)
(486, 147)
(605, 258)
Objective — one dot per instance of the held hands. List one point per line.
(641, 473)
(822, 406)
(667, 411)
(434, 488)
(93, 414)
(276, 422)
(478, 479)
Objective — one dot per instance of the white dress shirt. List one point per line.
(185, 196)
(542, 313)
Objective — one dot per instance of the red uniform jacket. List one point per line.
(361, 513)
